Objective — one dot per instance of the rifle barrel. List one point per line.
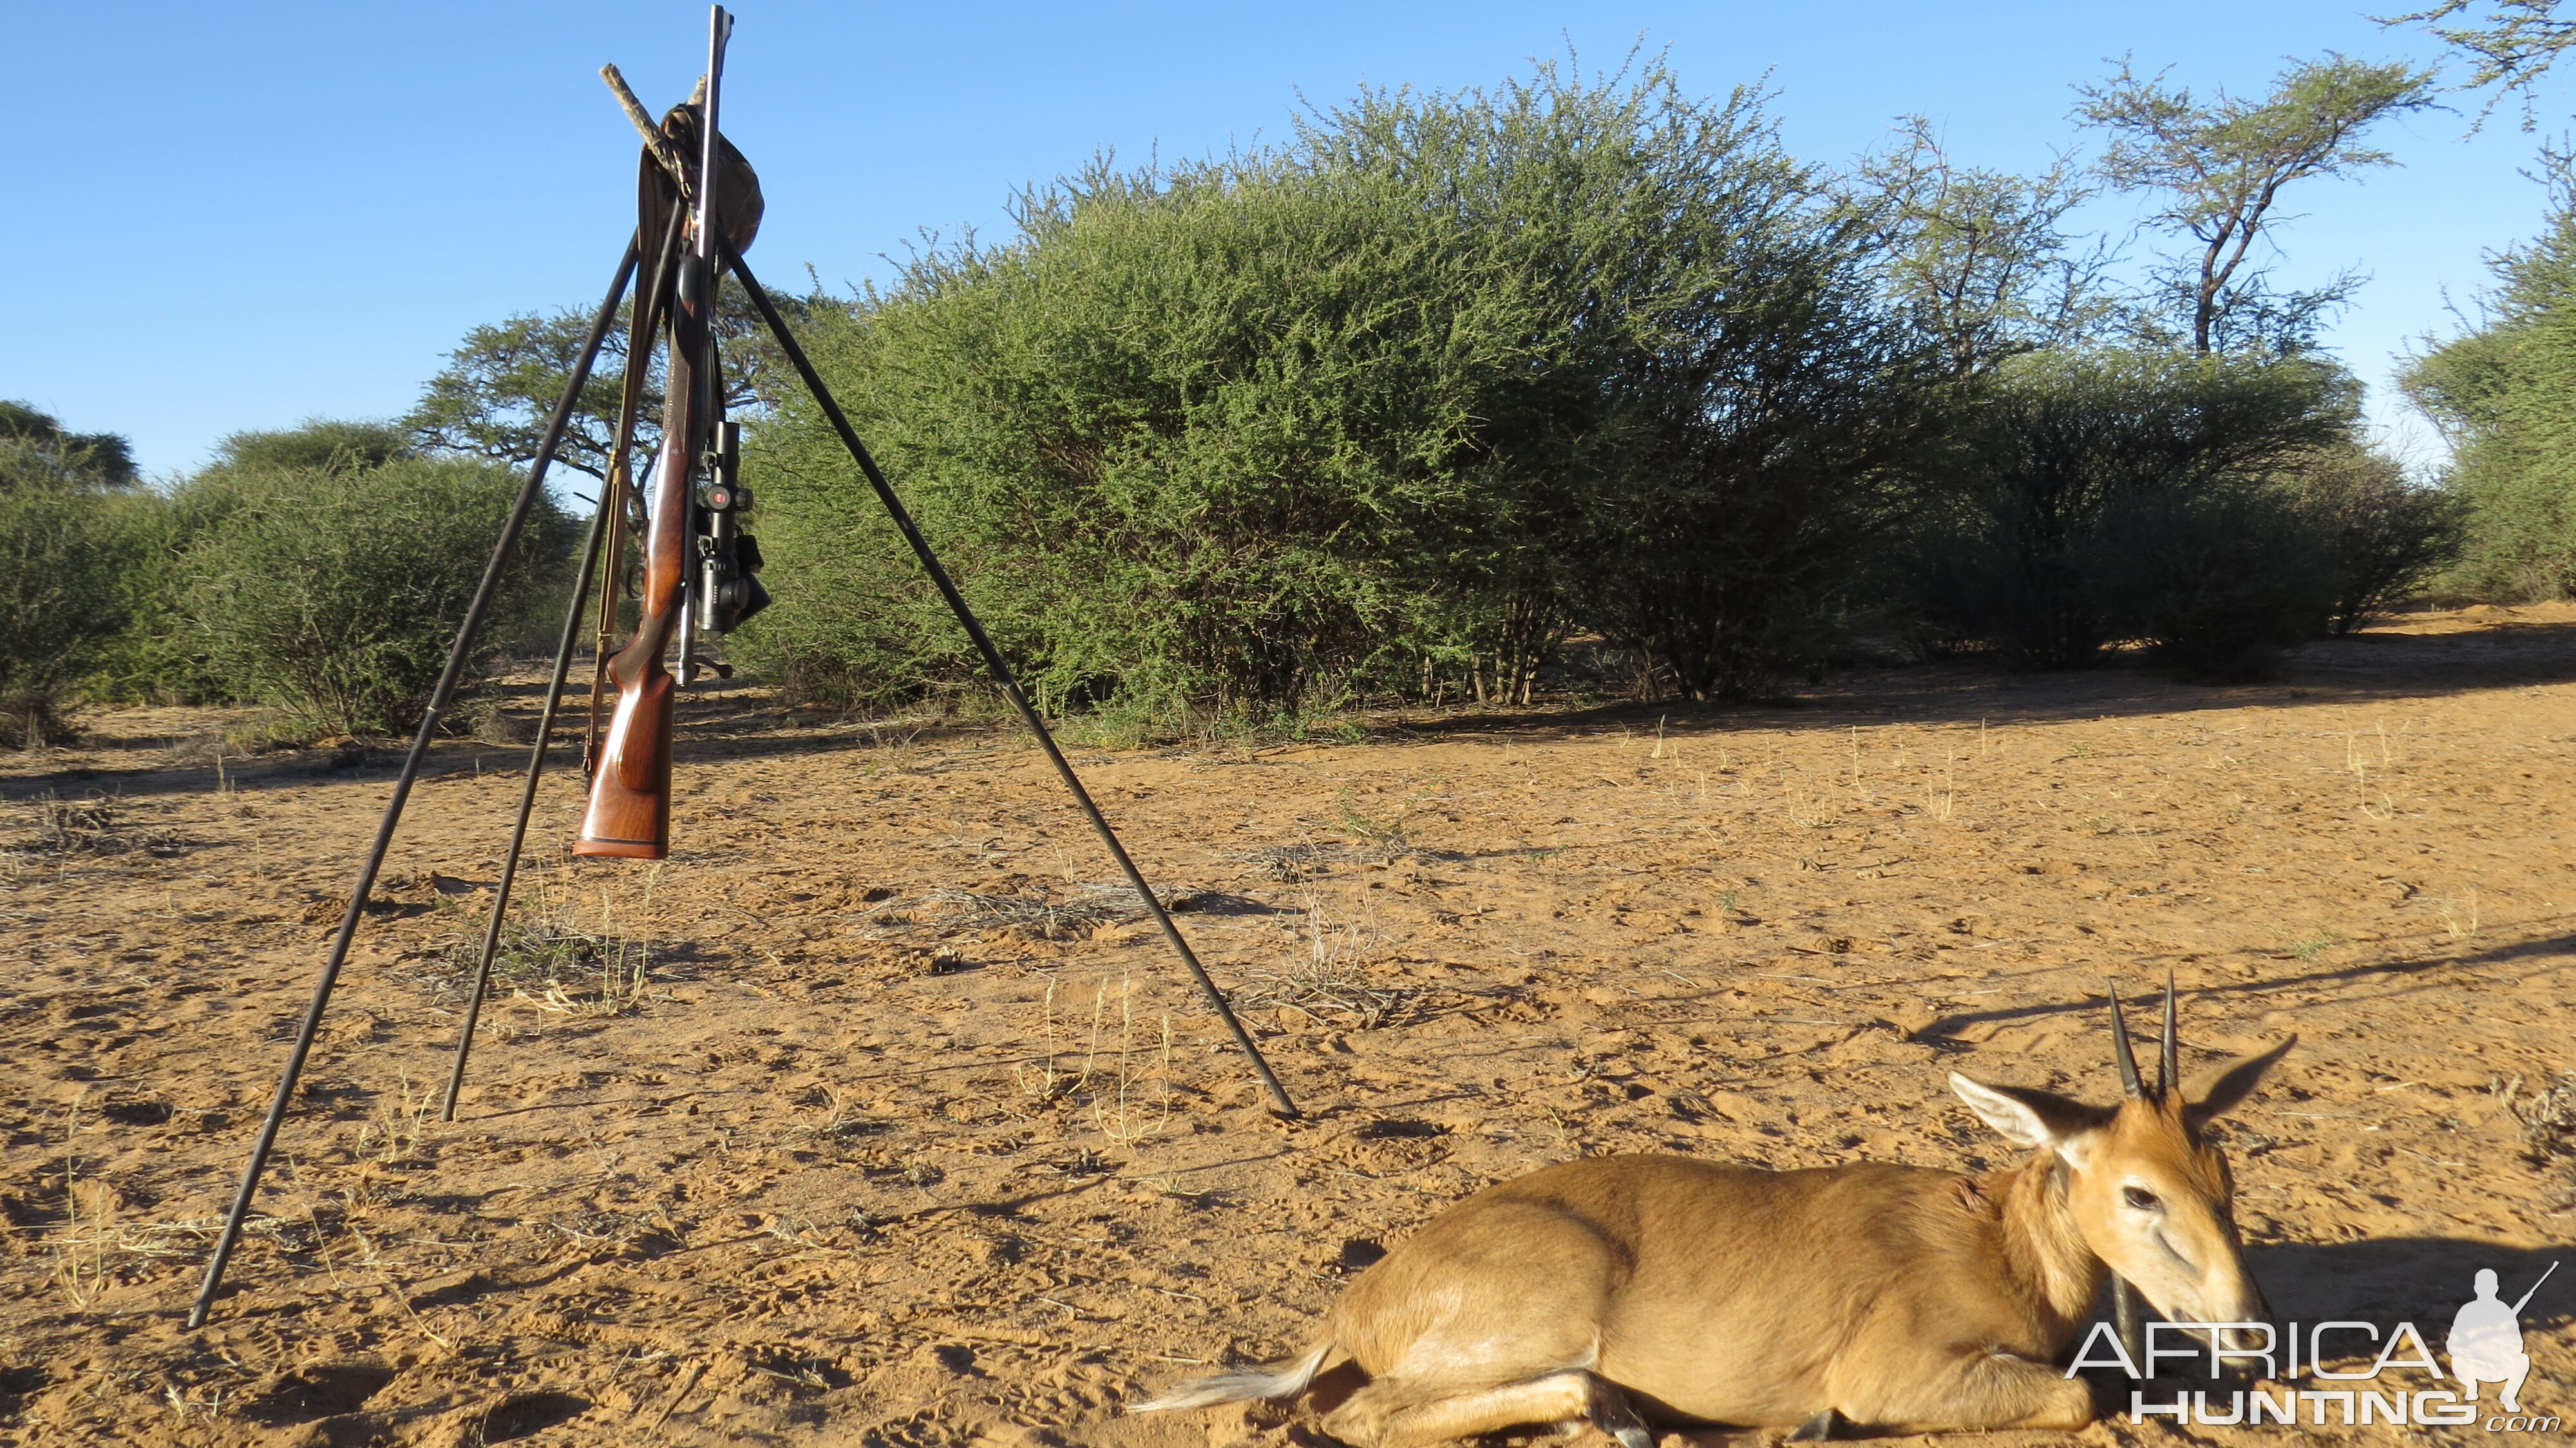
(2535, 1287)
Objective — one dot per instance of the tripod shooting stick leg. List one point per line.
(999, 669)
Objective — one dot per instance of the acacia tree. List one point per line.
(2218, 169)
(1978, 257)
(334, 592)
(493, 398)
(2511, 46)
(2383, 535)
(1698, 430)
(2062, 444)
(40, 447)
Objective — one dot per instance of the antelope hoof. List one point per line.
(1632, 1436)
(1818, 1428)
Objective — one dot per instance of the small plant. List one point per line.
(206, 1403)
(401, 1120)
(810, 1375)
(2547, 1117)
(1044, 1083)
(2357, 760)
(547, 958)
(1945, 803)
(2460, 916)
(1807, 804)
(1388, 836)
(1296, 864)
(92, 827)
(80, 1266)
(2308, 947)
(843, 1122)
(1121, 1120)
(1332, 978)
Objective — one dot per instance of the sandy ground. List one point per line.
(827, 1132)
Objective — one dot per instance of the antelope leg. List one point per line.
(1984, 1389)
(1391, 1413)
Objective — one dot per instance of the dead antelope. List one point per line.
(1628, 1289)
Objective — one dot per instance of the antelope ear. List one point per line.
(2215, 1092)
(2031, 1118)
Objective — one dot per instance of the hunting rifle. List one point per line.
(699, 564)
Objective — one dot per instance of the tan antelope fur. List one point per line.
(1633, 1289)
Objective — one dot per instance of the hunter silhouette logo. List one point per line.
(2485, 1345)
(2486, 1342)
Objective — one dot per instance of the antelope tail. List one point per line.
(1271, 1380)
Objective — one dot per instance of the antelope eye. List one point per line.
(2140, 1198)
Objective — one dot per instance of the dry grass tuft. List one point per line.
(594, 1228)
(2548, 1116)
(1121, 1114)
(547, 957)
(1296, 864)
(1331, 984)
(401, 1120)
(1094, 906)
(559, 968)
(92, 827)
(80, 1258)
(843, 1123)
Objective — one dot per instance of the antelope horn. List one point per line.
(2129, 1083)
(2169, 1069)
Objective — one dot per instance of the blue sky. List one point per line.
(236, 217)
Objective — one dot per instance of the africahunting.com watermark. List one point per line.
(2485, 1347)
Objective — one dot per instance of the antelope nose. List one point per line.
(2254, 1308)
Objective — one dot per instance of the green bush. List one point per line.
(335, 592)
(2504, 394)
(2219, 580)
(160, 656)
(1404, 400)
(318, 444)
(2384, 536)
(1175, 445)
(2055, 442)
(65, 556)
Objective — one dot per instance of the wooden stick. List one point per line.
(654, 141)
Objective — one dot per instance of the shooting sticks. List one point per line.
(606, 518)
(439, 696)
